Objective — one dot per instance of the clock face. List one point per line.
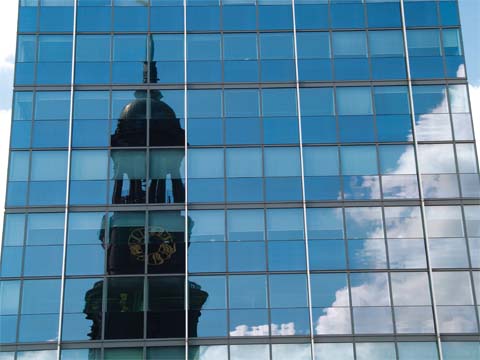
(161, 246)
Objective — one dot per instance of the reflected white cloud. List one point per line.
(263, 330)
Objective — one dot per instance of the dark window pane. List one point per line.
(124, 306)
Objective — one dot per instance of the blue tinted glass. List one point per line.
(56, 18)
(354, 101)
(321, 161)
(282, 130)
(43, 261)
(327, 254)
(199, 251)
(40, 297)
(430, 99)
(244, 162)
(325, 223)
(239, 17)
(275, 16)
(240, 46)
(391, 100)
(93, 48)
(49, 165)
(203, 47)
(284, 224)
(205, 163)
(356, 129)
(204, 104)
(386, 43)
(91, 105)
(325, 287)
(22, 105)
(166, 18)
(203, 18)
(54, 48)
(288, 156)
(349, 44)
(45, 229)
(279, 102)
(288, 291)
(316, 101)
(26, 48)
(27, 18)
(424, 42)
(18, 166)
(359, 160)
(276, 46)
(319, 129)
(313, 45)
(347, 16)
(8, 326)
(246, 256)
(449, 13)
(205, 131)
(245, 225)
(242, 103)
(286, 255)
(247, 291)
(421, 13)
(93, 18)
(311, 15)
(130, 18)
(52, 105)
(394, 127)
(11, 261)
(129, 48)
(384, 14)
(242, 131)
(36, 328)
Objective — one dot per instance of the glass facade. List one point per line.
(241, 179)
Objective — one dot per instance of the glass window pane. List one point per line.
(424, 42)
(245, 225)
(325, 351)
(325, 223)
(410, 289)
(417, 351)
(375, 351)
(386, 43)
(45, 229)
(453, 288)
(247, 292)
(14, 229)
(279, 102)
(288, 156)
(354, 101)
(288, 291)
(349, 44)
(444, 221)
(241, 103)
(321, 161)
(244, 162)
(359, 160)
(317, 101)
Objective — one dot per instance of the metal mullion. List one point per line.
(348, 272)
(470, 267)
(420, 183)
(185, 115)
(67, 185)
(302, 169)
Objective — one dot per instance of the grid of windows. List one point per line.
(288, 179)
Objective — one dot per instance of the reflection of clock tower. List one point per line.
(162, 250)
